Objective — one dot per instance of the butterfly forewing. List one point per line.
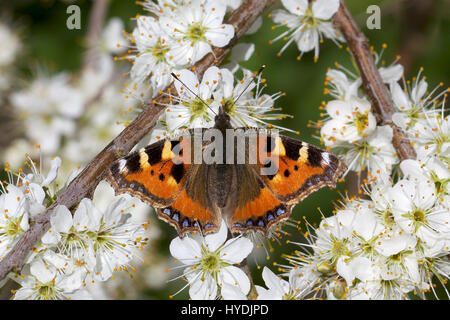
(302, 169)
(154, 174)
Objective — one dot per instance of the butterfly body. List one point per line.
(194, 195)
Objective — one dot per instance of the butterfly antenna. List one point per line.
(250, 82)
(196, 95)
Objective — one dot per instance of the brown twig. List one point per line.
(242, 18)
(373, 84)
(95, 24)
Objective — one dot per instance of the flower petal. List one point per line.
(235, 250)
(185, 249)
(43, 273)
(325, 9)
(203, 288)
(215, 240)
(53, 172)
(234, 276)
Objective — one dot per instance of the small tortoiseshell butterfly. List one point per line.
(194, 197)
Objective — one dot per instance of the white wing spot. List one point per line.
(122, 165)
(326, 158)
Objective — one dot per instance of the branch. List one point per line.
(242, 18)
(94, 29)
(375, 88)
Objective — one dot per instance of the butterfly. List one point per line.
(195, 196)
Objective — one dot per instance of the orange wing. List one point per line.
(154, 174)
(187, 215)
(255, 208)
(193, 211)
(267, 196)
(302, 168)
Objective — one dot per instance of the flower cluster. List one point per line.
(349, 127)
(75, 115)
(78, 249)
(393, 242)
(49, 108)
(175, 35)
(387, 246)
(197, 103)
(421, 114)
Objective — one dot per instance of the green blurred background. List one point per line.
(418, 30)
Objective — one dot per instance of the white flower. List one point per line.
(101, 241)
(352, 230)
(413, 102)
(42, 281)
(195, 27)
(431, 137)
(358, 267)
(210, 262)
(335, 240)
(78, 249)
(349, 121)
(413, 208)
(342, 87)
(195, 108)
(114, 238)
(300, 285)
(345, 84)
(69, 232)
(14, 218)
(307, 23)
(198, 103)
(153, 60)
(37, 177)
(23, 196)
(374, 153)
(430, 170)
(385, 247)
(244, 101)
(398, 257)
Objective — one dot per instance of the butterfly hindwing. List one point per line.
(193, 211)
(256, 208)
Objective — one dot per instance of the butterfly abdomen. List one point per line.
(220, 182)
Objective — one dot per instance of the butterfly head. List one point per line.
(222, 120)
